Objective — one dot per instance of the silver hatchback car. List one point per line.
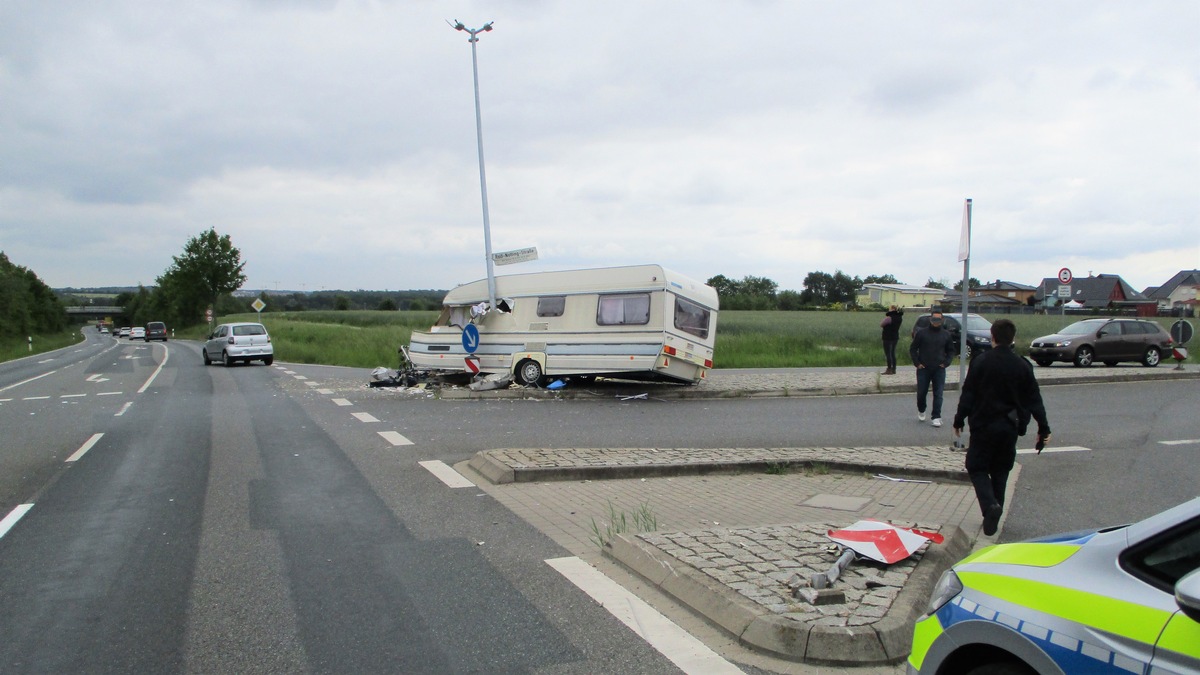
(233, 342)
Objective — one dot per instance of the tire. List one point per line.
(1002, 668)
(207, 361)
(1044, 362)
(1084, 357)
(269, 360)
(1151, 358)
(967, 355)
(225, 360)
(528, 372)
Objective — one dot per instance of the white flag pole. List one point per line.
(964, 256)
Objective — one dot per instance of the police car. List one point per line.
(1120, 600)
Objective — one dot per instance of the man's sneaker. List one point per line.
(991, 519)
(920, 417)
(937, 421)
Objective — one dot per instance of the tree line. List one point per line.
(27, 305)
(821, 290)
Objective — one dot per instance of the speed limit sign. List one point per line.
(1064, 276)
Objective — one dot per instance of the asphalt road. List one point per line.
(240, 520)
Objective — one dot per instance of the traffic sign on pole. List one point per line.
(470, 338)
(1064, 276)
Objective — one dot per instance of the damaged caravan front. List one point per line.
(640, 322)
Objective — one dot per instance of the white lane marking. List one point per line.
(35, 398)
(395, 438)
(109, 393)
(290, 372)
(166, 355)
(13, 516)
(311, 384)
(44, 361)
(325, 392)
(300, 377)
(342, 402)
(85, 447)
(72, 395)
(1054, 448)
(38, 377)
(684, 650)
(97, 378)
(446, 474)
(1186, 441)
(365, 417)
(123, 409)
(5, 400)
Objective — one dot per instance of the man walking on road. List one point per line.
(998, 397)
(932, 350)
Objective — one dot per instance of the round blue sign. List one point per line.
(470, 338)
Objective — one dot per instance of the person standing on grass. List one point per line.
(998, 398)
(932, 350)
(891, 336)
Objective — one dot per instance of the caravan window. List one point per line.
(454, 315)
(691, 318)
(622, 310)
(551, 306)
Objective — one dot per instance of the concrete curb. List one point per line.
(885, 641)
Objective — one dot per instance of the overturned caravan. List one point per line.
(639, 323)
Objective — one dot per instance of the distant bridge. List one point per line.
(95, 311)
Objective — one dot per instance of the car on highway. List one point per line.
(1108, 341)
(104, 330)
(233, 342)
(1117, 600)
(124, 332)
(979, 331)
(156, 330)
(137, 333)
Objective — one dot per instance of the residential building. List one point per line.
(901, 295)
(1180, 295)
(1108, 292)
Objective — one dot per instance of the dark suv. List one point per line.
(1108, 341)
(156, 330)
(979, 331)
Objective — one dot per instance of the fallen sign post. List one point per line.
(877, 540)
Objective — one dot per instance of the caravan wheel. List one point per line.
(528, 372)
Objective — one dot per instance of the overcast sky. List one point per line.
(335, 142)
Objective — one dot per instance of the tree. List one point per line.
(972, 281)
(880, 279)
(27, 305)
(209, 267)
(935, 284)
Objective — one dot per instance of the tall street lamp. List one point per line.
(487, 231)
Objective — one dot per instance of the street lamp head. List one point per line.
(488, 26)
(458, 25)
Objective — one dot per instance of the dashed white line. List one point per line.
(365, 417)
(325, 392)
(35, 398)
(110, 393)
(684, 650)
(300, 377)
(446, 474)
(38, 377)
(123, 409)
(1186, 441)
(1054, 448)
(85, 447)
(72, 395)
(341, 402)
(12, 518)
(395, 438)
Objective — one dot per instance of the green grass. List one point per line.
(745, 339)
(15, 348)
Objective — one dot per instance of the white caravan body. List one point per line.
(640, 322)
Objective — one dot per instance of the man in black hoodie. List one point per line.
(891, 336)
(932, 349)
(999, 397)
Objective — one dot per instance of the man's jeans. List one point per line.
(937, 377)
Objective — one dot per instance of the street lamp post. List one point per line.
(487, 231)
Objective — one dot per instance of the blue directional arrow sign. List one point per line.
(470, 338)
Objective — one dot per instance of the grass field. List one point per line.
(16, 348)
(745, 339)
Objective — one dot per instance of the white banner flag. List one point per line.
(964, 241)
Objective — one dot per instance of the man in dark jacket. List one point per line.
(932, 349)
(891, 336)
(998, 398)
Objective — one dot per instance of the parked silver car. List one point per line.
(1108, 341)
(233, 342)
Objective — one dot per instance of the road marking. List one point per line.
(684, 650)
(446, 474)
(12, 518)
(1186, 441)
(1054, 448)
(35, 398)
(123, 409)
(342, 402)
(38, 377)
(44, 361)
(85, 447)
(325, 392)
(395, 438)
(300, 377)
(109, 393)
(97, 378)
(310, 383)
(365, 417)
(72, 395)
(166, 355)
